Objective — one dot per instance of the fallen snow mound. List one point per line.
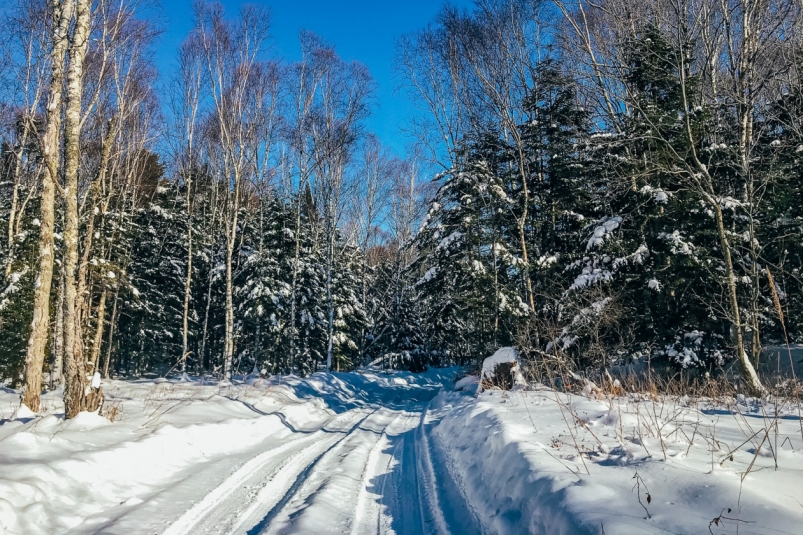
(506, 356)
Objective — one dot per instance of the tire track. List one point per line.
(325, 481)
(364, 472)
(227, 507)
(370, 516)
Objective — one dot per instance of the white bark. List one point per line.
(61, 11)
(75, 398)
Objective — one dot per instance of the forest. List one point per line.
(593, 184)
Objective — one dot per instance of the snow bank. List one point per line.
(470, 383)
(546, 463)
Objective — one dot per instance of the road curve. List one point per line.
(368, 471)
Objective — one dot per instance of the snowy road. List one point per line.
(366, 470)
(341, 453)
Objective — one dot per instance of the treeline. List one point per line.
(623, 180)
(617, 181)
(238, 216)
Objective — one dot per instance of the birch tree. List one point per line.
(232, 54)
(61, 14)
(187, 87)
(75, 381)
(341, 106)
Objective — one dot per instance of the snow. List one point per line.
(679, 245)
(190, 457)
(503, 355)
(607, 226)
(580, 455)
(546, 261)
(13, 287)
(395, 452)
(660, 196)
(449, 240)
(470, 383)
(590, 276)
(429, 275)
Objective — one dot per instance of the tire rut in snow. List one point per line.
(325, 489)
(445, 495)
(231, 503)
(442, 508)
(386, 476)
(375, 472)
(370, 514)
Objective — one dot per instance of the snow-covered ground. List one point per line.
(547, 462)
(370, 452)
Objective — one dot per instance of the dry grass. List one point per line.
(669, 414)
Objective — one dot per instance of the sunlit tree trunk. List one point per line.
(75, 395)
(61, 11)
(112, 323)
(97, 340)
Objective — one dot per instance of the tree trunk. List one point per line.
(296, 258)
(750, 377)
(58, 339)
(206, 319)
(329, 302)
(75, 395)
(40, 326)
(15, 198)
(112, 323)
(228, 346)
(98, 339)
(187, 291)
(83, 295)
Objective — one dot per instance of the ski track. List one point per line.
(367, 471)
(228, 506)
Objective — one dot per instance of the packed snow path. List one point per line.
(365, 471)
(340, 453)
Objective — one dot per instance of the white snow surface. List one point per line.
(377, 452)
(606, 228)
(554, 463)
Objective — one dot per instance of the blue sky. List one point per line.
(363, 30)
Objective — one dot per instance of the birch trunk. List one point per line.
(187, 289)
(296, 258)
(748, 371)
(40, 326)
(58, 339)
(98, 339)
(203, 358)
(112, 323)
(228, 347)
(329, 302)
(15, 199)
(75, 384)
(83, 295)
